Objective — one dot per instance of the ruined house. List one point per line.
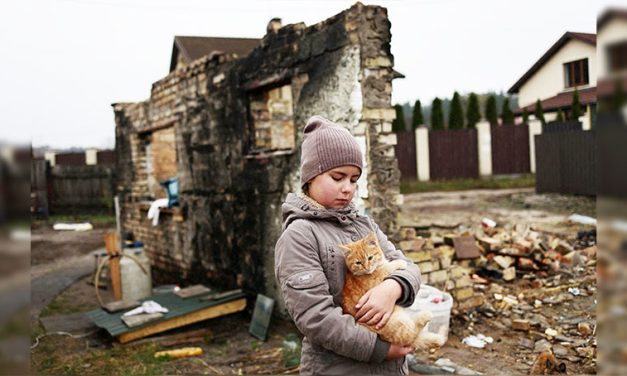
(229, 128)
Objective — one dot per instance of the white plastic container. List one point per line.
(439, 303)
(135, 283)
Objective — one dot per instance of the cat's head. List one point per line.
(364, 255)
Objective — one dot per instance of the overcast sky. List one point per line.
(65, 61)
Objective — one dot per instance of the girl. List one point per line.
(310, 267)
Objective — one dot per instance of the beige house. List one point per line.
(611, 52)
(569, 64)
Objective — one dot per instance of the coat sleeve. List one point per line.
(309, 302)
(409, 278)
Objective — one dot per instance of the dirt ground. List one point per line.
(230, 349)
(52, 249)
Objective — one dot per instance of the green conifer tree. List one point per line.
(490, 110)
(575, 107)
(506, 113)
(437, 116)
(539, 113)
(416, 119)
(472, 112)
(560, 116)
(456, 114)
(398, 125)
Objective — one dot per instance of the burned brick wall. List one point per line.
(236, 126)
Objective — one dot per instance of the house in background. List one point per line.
(611, 52)
(188, 49)
(571, 63)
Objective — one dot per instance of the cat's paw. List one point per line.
(423, 317)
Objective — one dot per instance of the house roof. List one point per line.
(563, 100)
(567, 37)
(192, 48)
(609, 14)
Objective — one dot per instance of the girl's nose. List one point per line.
(347, 187)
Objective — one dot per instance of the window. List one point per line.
(576, 73)
(272, 114)
(617, 56)
(159, 158)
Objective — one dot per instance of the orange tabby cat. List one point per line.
(367, 268)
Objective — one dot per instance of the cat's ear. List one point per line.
(371, 239)
(344, 249)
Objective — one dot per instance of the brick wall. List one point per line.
(237, 125)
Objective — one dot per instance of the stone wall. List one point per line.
(237, 128)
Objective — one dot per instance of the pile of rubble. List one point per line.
(540, 285)
(477, 257)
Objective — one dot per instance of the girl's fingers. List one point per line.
(384, 320)
(363, 300)
(375, 319)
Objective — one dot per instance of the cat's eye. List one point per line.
(358, 262)
(370, 257)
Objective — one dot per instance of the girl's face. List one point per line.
(335, 188)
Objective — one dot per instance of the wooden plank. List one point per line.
(221, 295)
(190, 318)
(141, 319)
(112, 244)
(120, 305)
(190, 291)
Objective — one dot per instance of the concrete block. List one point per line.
(419, 256)
(439, 276)
(412, 245)
(463, 293)
(377, 62)
(470, 303)
(457, 272)
(520, 324)
(464, 281)
(509, 274)
(379, 113)
(407, 233)
(425, 267)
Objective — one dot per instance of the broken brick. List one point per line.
(438, 276)
(563, 247)
(509, 274)
(419, 256)
(584, 329)
(489, 244)
(426, 266)
(521, 324)
(464, 281)
(526, 264)
(412, 245)
(407, 233)
(463, 293)
(504, 261)
(466, 248)
(472, 302)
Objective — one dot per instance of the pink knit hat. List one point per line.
(326, 146)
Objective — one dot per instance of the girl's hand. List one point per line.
(398, 351)
(377, 304)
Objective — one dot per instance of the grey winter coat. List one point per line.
(310, 269)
